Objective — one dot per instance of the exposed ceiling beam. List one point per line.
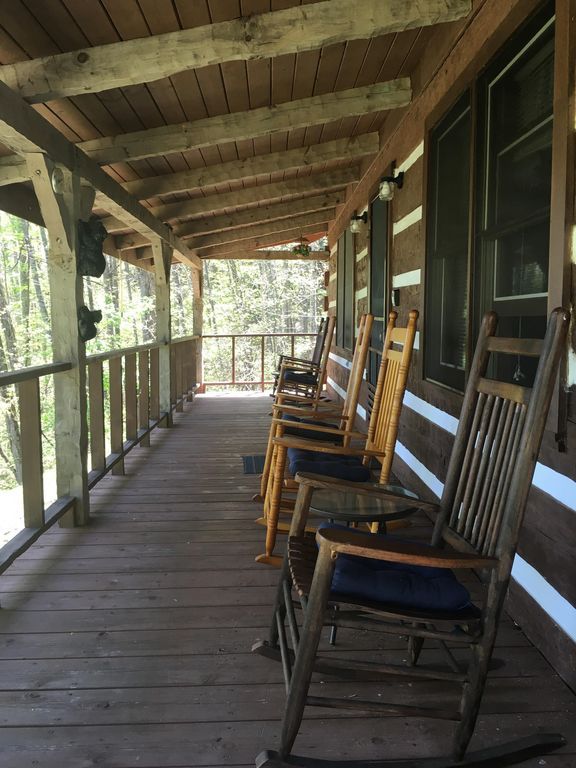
(260, 230)
(237, 126)
(260, 36)
(263, 213)
(277, 238)
(283, 255)
(23, 130)
(348, 148)
(313, 183)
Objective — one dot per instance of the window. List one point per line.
(492, 254)
(447, 247)
(345, 291)
(378, 268)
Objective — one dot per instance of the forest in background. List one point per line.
(239, 297)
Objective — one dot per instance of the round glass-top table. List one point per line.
(351, 507)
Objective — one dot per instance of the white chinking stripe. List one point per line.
(404, 279)
(362, 254)
(361, 294)
(331, 304)
(332, 277)
(549, 599)
(415, 155)
(546, 479)
(341, 361)
(406, 221)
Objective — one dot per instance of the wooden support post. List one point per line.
(61, 211)
(162, 255)
(197, 325)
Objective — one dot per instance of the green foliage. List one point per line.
(242, 297)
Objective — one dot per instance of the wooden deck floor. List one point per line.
(127, 643)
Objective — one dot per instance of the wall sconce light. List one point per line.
(387, 186)
(356, 222)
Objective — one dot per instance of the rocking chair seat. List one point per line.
(380, 585)
(301, 377)
(343, 467)
(295, 432)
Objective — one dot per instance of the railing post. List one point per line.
(197, 324)
(162, 254)
(262, 352)
(116, 411)
(96, 404)
(61, 211)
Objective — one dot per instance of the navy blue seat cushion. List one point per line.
(294, 431)
(343, 467)
(413, 587)
(295, 377)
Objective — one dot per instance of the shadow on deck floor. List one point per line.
(127, 643)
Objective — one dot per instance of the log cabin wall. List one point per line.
(542, 597)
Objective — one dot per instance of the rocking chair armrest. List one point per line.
(289, 358)
(319, 428)
(308, 413)
(281, 396)
(365, 489)
(291, 441)
(311, 413)
(304, 365)
(395, 551)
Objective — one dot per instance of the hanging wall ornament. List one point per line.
(87, 319)
(91, 235)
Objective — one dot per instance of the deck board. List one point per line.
(127, 643)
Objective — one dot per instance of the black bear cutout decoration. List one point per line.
(91, 235)
(87, 319)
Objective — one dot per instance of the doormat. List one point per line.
(253, 465)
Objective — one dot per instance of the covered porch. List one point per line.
(127, 642)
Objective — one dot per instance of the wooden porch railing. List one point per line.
(123, 408)
(262, 382)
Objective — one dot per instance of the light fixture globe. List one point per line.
(388, 186)
(357, 222)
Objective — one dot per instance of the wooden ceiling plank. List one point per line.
(256, 37)
(253, 166)
(25, 131)
(275, 255)
(260, 230)
(257, 122)
(244, 197)
(277, 238)
(257, 215)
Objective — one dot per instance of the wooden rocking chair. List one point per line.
(477, 524)
(298, 378)
(315, 359)
(339, 458)
(304, 408)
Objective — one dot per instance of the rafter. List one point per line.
(266, 212)
(24, 131)
(237, 126)
(313, 183)
(261, 230)
(254, 37)
(302, 157)
(276, 238)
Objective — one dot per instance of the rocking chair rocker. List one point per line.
(477, 523)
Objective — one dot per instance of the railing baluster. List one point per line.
(179, 363)
(144, 396)
(96, 406)
(116, 421)
(233, 359)
(292, 344)
(262, 369)
(154, 384)
(31, 452)
(130, 397)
